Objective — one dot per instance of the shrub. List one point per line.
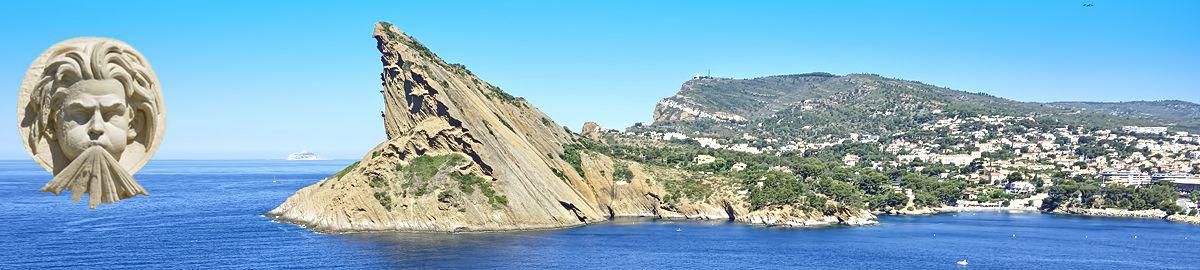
(621, 172)
(468, 182)
(559, 173)
(505, 123)
(497, 93)
(422, 190)
(384, 200)
(571, 156)
(346, 170)
(378, 182)
(425, 167)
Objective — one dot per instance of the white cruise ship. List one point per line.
(304, 155)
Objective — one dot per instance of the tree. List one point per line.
(1063, 194)
(1089, 195)
(931, 192)
(1161, 196)
(875, 183)
(842, 192)
(974, 167)
(891, 199)
(1014, 177)
(810, 170)
(1037, 182)
(923, 198)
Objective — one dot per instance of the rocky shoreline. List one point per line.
(1184, 219)
(1089, 212)
(1121, 213)
(789, 218)
(926, 211)
(1111, 212)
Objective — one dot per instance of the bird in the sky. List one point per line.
(1088, 5)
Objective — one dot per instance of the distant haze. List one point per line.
(262, 80)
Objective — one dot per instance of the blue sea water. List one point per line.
(208, 214)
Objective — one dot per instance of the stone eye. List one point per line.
(114, 110)
(78, 114)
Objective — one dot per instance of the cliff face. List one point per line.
(462, 155)
(474, 137)
(682, 107)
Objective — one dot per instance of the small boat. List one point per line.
(962, 262)
(678, 229)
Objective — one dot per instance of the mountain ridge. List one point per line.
(1183, 114)
(783, 97)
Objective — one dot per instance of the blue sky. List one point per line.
(264, 79)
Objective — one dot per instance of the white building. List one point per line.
(850, 159)
(959, 160)
(1126, 177)
(1144, 130)
(1020, 187)
(1184, 182)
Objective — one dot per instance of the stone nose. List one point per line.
(95, 125)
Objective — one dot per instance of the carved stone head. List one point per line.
(87, 93)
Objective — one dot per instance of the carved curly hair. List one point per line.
(95, 59)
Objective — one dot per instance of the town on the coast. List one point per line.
(1011, 159)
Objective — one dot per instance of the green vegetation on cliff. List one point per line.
(621, 172)
(572, 157)
(469, 182)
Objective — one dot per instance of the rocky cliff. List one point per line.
(463, 155)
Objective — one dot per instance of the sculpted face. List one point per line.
(93, 113)
(90, 112)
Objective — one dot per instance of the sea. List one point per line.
(208, 214)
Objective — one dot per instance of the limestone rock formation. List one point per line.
(591, 130)
(463, 155)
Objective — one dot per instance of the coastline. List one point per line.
(949, 209)
(276, 218)
(757, 221)
(1112, 212)
(928, 211)
(1084, 212)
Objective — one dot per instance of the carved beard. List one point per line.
(98, 174)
